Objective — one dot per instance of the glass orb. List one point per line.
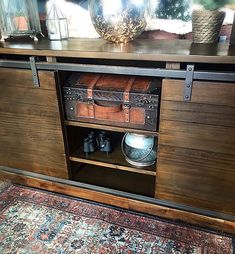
(118, 20)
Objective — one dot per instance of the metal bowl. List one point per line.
(139, 150)
(118, 20)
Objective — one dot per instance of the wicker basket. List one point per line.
(206, 25)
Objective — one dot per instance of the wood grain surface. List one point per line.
(196, 156)
(139, 49)
(30, 129)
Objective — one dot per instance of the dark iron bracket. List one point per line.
(34, 70)
(188, 85)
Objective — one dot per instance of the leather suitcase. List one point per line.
(117, 100)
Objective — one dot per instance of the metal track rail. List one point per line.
(125, 70)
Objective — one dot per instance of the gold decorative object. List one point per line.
(118, 21)
(206, 25)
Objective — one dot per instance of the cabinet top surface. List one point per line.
(140, 49)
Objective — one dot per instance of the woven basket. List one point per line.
(206, 25)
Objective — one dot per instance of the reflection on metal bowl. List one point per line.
(118, 21)
(139, 150)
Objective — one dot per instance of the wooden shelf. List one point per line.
(115, 160)
(116, 179)
(110, 128)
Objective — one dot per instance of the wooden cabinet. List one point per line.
(30, 129)
(196, 155)
(194, 177)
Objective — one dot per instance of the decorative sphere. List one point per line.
(118, 21)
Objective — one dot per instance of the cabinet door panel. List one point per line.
(23, 78)
(196, 156)
(30, 130)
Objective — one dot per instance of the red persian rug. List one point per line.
(34, 221)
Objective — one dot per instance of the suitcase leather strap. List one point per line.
(126, 99)
(90, 96)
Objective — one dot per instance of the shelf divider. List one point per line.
(115, 160)
(109, 165)
(109, 128)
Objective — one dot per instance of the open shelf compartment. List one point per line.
(115, 179)
(115, 160)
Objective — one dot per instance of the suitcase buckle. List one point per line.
(90, 101)
(126, 105)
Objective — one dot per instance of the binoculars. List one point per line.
(97, 142)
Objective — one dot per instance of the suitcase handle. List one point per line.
(108, 108)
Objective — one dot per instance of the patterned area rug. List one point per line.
(33, 221)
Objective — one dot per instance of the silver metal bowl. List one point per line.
(139, 150)
(119, 21)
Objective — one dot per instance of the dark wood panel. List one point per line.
(20, 145)
(196, 155)
(211, 138)
(198, 178)
(139, 206)
(203, 92)
(23, 109)
(33, 96)
(23, 78)
(198, 113)
(32, 164)
(47, 80)
(12, 155)
(13, 123)
(139, 49)
(30, 133)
